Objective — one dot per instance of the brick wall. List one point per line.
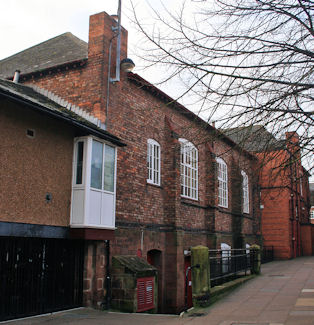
(286, 205)
(156, 217)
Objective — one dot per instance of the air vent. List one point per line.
(30, 133)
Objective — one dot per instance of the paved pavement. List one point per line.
(283, 294)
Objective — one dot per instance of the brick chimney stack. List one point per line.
(101, 34)
(292, 137)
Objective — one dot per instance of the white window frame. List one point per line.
(188, 169)
(79, 185)
(222, 171)
(153, 162)
(245, 193)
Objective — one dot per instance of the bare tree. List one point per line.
(242, 62)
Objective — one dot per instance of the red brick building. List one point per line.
(285, 197)
(180, 181)
(312, 202)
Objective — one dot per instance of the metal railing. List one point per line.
(225, 265)
(267, 254)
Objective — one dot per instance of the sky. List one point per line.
(26, 23)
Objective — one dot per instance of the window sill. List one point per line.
(222, 208)
(193, 203)
(189, 198)
(154, 185)
(92, 226)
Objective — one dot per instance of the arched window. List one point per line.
(245, 193)
(189, 170)
(222, 183)
(153, 162)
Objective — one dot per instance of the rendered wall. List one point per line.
(33, 167)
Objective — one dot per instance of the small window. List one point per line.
(222, 183)
(301, 186)
(245, 193)
(153, 162)
(79, 162)
(189, 170)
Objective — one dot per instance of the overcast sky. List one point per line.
(24, 23)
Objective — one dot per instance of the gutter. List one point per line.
(71, 64)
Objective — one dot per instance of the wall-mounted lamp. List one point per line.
(127, 65)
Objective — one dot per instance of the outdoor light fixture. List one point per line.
(127, 65)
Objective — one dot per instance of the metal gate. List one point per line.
(39, 275)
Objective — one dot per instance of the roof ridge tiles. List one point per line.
(69, 106)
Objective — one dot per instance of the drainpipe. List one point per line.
(108, 82)
(117, 77)
(107, 279)
(118, 28)
(292, 209)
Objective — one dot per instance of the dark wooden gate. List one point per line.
(39, 276)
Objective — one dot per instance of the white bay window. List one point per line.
(93, 189)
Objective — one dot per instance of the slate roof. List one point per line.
(56, 51)
(36, 101)
(254, 138)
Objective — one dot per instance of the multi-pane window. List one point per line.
(222, 183)
(153, 162)
(189, 170)
(102, 166)
(245, 193)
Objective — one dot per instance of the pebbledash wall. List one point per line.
(155, 221)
